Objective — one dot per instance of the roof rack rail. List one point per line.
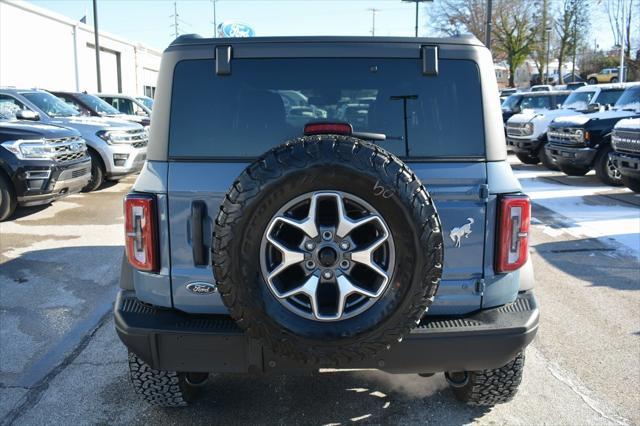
(185, 37)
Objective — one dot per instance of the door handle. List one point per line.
(198, 215)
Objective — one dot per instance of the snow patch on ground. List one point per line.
(589, 218)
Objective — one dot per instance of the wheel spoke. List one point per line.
(365, 257)
(308, 288)
(346, 289)
(346, 224)
(289, 258)
(308, 224)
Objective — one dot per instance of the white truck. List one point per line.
(527, 131)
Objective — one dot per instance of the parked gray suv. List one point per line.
(256, 243)
(117, 148)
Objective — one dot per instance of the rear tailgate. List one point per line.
(224, 114)
(456, 188)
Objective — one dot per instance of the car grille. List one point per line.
(625, 141)
(563, 136)
(516, 129)
(80, 172)
(137, 137)
(68, 149)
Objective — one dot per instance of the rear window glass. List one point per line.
(264, 102)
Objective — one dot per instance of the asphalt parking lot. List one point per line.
(61, 361)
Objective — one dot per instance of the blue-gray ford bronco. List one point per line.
(326, 202)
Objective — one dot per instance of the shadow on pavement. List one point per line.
(51, 300)
(368, 397)
(591, 260)
(27, 211)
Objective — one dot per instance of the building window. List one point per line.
(150, 91)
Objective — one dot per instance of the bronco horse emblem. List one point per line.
(457, 233)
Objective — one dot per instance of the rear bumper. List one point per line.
(171, 340)
(579, 157)
(628, 165)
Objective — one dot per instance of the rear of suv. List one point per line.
(259, 243)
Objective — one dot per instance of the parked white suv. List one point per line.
(527, 131)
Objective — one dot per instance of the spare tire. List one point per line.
(328, 249)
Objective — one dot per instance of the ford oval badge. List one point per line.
(235, 29)
(200, 287)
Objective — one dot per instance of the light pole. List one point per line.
(417, 2)
(97, 43)
(373, 20)
(622, 46)
(215, 21)
(487, 36)
(548, 30)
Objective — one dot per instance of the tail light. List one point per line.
(140, 231)
(328, 128)
(513, 232)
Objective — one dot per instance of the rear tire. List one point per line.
(605, 170)
(97, 172)
(528, 159)
(487, 388)
(632, 183)
(7, 198)
(158, 387)
(614, 79)
(574, 170)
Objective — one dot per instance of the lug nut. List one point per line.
(344, 245)
(327, 275)
(327, 235)
(310, 264)
(344, 264)
(309, 245)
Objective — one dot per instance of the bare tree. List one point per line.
(513, 21)
(515, 32)
(539, 50)
(460, 16)
(616, 10)
(571, 24)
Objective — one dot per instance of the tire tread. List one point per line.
(299, 154)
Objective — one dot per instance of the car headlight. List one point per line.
(528, 129)
(113, 136)
(30, 149)
(579, 135)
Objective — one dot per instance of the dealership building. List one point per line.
(40, 48)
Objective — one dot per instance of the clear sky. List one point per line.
(150, 21)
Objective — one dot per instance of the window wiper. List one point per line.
(404, 99)
(370, 136)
